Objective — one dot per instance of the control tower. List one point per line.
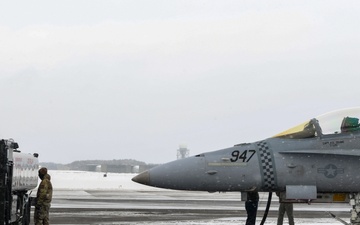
(183, 152)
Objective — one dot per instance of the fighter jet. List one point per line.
(316, 161)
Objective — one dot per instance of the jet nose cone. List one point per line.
(142, 178)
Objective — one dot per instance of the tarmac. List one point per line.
(174, 207)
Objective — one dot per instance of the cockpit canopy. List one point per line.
(340, 121)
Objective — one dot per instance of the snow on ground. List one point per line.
(237, 221)
(75, 182)
(82, 180)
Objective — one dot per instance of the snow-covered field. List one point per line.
(81, 180)
(78, 182)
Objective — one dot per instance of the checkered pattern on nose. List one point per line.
(266, 165)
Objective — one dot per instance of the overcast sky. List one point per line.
(134, 79)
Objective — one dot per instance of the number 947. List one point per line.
(243, 157)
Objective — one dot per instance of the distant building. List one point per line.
(183, 152)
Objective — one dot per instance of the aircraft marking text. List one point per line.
(243, 156)
(333, 143)
(227, 164)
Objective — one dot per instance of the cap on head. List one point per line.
(42, 171)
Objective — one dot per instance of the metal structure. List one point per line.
(18, 175)
(183, 152)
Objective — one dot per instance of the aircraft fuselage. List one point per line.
(329, 163)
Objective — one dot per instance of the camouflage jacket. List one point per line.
(44, 192)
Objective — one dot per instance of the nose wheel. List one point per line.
(355, 210)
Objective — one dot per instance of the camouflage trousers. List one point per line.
(288, 208)
(41, 215)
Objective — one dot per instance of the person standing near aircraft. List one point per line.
(251, 206)
(43, 199)
(285, 207)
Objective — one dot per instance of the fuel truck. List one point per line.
(18, 176)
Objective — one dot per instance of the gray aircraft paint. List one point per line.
(320, 157)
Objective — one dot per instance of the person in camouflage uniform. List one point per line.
(43, 198)
(285, 207)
